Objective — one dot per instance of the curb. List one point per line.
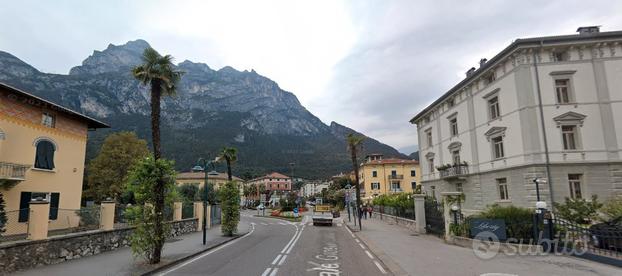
(383, 257)
(183, 259)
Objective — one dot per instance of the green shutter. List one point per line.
(54, 200)
(24, 201)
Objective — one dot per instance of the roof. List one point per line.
(521, 42)
(91, 123)
(201, 176)
(271, 175)
(391, 161)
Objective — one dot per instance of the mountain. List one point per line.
(414, 155)
(212, 109)
(408, 149)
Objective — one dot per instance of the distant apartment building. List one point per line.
(42, 154)
(379, 175)
(198, 178)
(311, 188)
(544, 107)
(274, 184)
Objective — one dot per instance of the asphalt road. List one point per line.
(277, 247)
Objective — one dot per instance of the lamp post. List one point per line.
(454, 209)
(204, 168)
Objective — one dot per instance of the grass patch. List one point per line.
(298, 219)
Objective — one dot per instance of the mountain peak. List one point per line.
(113, 59)
(14, 67)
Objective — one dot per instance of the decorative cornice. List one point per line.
(570, 118)
(52, 131)
(566, 72)
(454, 146)
(495, 131)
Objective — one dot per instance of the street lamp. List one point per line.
(537, 181)
(454, 209)
(205, 169)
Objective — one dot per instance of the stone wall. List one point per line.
(394, 219)
(26, 254)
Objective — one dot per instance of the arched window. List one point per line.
(44, 158)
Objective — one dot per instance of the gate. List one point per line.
(435, 221)
(601, 244)
(215, 214)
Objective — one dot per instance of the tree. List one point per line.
(612, 208)
(159, 73)
(142, 180)
(3, 218)
(212, 194)
(230, 202)
(107, 172)
(354, 145)
(230, 155)
(578, 210)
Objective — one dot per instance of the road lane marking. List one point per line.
(351, 234)
(276, 259)
(361, 245)
(282, 260)
(290, 241)
(369, 254)
(380, 267)
(357, 240)
(339, 224)
(209, 252)
(296, 240)
(274, 272)
(263, 223)
(266, 272)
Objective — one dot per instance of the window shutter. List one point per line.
(40, 156)
(24, 200)
(54, 200)
(49, 154)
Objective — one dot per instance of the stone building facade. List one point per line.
(545, 107)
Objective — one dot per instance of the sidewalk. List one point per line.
(407, 254)
(121, 261)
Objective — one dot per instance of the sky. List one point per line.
(369, 65)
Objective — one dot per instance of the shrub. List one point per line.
(142, 181)
(229, 196)
(612, 208)
(579, 210)
(518, 220)
(89, 216)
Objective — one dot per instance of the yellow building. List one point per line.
(42, 152)
(198, 178)
(386, 176)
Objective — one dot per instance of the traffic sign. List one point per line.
(295, 210)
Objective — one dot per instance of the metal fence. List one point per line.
(584, 241)
(187, 210)
(64, 221)
(15, 228)
(120, 217)
(407, 213)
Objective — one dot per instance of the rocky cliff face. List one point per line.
(213, 108)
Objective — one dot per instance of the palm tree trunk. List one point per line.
(356, 183)
(156, 94)
(229, 169)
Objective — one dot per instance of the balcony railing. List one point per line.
(11, 171)
(454, 171)
(396, 176)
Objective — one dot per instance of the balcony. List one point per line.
(453, 171)
(396, 177)
(11, 172)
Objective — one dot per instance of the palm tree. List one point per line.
(159, 73)
(230, 155)
(354, 145)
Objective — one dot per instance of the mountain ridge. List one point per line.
(223, 107)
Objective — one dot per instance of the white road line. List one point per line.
(296, 240)
(369, 254)
(339, 224)
(282, 223)
(380, 267)
(357, 240)
(263, 223)
(351, 234)
(276, 259)
(208, 252)
(290, 241)
(266, 272)
(361, 245)
(282, 260)
(310, 223)
(274, 272)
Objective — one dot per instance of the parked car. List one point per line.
(608, 235)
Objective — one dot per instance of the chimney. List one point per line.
(470, 72)
(482, 62)
(588, 30)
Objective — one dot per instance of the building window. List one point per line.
(569, 137)
(413, 173)
(502, 185)
(493, 108)
(48, 120)
(428, 136)
(44, 158)
(453, 126)
(375, 186)
(26, 197)
(374, 174)
(562, 91)
(497, 147)
(455, 156)
(413, 185)
(459, 187)
(574, 181)
(393, 173)
(395, 186)
(431, 165)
